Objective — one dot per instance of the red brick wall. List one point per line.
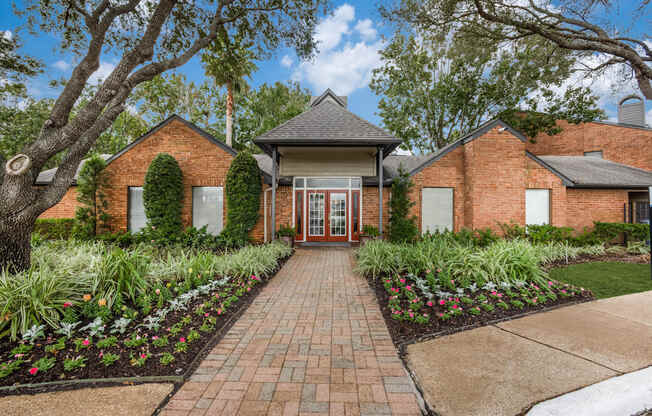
(203, 164)
(370, 206)
(619, 144)
(65, 208)
(447, 172)
(584, 206)
(496, 176)
(539, 177)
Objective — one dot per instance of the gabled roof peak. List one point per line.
(328, 95)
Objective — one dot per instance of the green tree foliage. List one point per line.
(436, 87)
(91, 187)
(256, 110)
(243, 188)
(14, 68)
(228, 61)
(402, 226)
(163, 195)
(266, 107)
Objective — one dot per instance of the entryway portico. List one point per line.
(327, 154)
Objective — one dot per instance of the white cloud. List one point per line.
(102, 72)
(345, 60)
(366, 29)
(61, 65)
(7, 34)
(286, 61)
(330, 30)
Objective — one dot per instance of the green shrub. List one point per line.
(541, 234)
(286, 231)
(163, 196)
(243, 188)
(370, 231)
(91, 185)
(54, 228)
(402, 226)
(609, 231)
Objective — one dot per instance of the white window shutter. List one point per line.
(436, 209)
(537, 206)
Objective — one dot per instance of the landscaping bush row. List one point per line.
(501, 261)
(84, 311)
(122, 282)
(54, 228)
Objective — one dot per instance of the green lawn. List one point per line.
(606, 279)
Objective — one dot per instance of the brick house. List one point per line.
(326, 162)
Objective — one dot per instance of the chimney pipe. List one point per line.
(632, 113)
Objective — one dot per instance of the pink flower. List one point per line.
(440, 314)
(33, 371)
(534, 300)
(500, 295)
(248, 289)
(454, 306)
(18, 355)
(442, 302)
(415, 300)
(402, 280)
(563, 291)
(86, 342)
(453, 281)
(536, 287)
(143, 355)
(157, 291)
(101, 354)
(429, 303)
(67, 304)
(219, 311)
(408, 287)
(154, 338)
(182, 339)
(425, 314)
(428, 271)
(411, 314)
(457, 299)
(387, 281)
(206, 314)
(550, 283)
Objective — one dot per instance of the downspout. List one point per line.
(273, 219)
(380, 191)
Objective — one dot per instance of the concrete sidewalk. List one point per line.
(506, 368)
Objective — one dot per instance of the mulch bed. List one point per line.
(183, 365)
(405, 332)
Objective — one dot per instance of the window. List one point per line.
(537, 206)
(355, 183)
(316, 207)
(436, 209)
(207, 208)
(341, 183)
(299, 210)
(642, 212)
(356, 212)
(137, 219)
(597, 153)
(298, 183)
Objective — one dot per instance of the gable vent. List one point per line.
(632, 112)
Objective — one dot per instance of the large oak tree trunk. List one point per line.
(15, 243)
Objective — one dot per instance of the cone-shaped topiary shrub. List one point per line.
(402, 225)
(163, 195)
(243, 188)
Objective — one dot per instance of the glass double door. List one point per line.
(327, 215)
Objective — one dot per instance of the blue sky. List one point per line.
(350, 38)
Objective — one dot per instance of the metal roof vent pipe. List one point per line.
(632, 113)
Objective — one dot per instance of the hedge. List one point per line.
(243, 188)
(609, 231)
(163, 195)
(54, 228)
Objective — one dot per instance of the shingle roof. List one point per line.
(327, 122)
(46, 176)
(594, 172)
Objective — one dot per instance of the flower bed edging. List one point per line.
(242, 304)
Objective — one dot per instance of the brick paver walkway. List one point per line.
(313, 342)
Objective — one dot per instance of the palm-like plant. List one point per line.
(229, 61)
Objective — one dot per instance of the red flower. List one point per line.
(182, 339)
(67, 304)
(33, 371)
